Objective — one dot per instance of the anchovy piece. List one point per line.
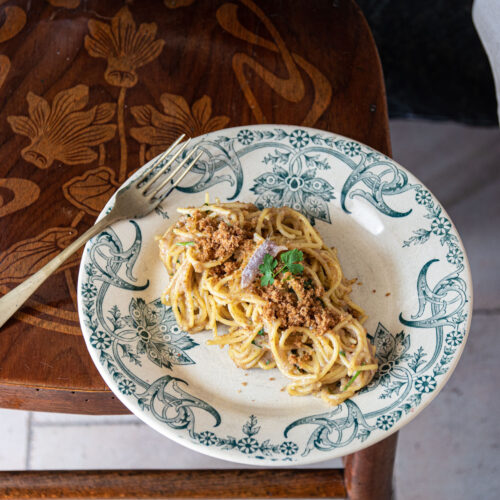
(252, 268)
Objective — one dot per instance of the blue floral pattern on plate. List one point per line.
(154, 367)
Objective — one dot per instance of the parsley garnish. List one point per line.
(290, 262)
(185, 243)
(342, 353)
(267, 268)
(261, 332)
(353, 378)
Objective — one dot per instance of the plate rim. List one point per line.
(227, 455)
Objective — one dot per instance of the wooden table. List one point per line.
(89, 90)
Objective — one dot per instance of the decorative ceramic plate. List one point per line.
(390, 232)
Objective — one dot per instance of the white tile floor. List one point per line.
(450, 451)
(14, 439)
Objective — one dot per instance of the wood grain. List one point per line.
(221, 64)
(277, 483)
(24, 397)
(368, 473)
(250, 61)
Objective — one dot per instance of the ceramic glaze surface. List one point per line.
(391, 233)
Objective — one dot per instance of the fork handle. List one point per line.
(13, 300)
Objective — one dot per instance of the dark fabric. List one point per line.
(434, 63)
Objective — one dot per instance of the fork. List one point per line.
(135, 200)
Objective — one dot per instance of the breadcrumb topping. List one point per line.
(296, 302)
(293, 301)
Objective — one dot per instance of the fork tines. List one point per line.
(147, 187)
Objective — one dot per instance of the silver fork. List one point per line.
(138, 199)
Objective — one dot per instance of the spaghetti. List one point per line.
(292, 310)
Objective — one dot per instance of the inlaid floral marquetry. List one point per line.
(92, 190)
(63, 130)
(125, 47)
(90, 91)
(158, 130)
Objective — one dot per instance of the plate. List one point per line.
(391, 233)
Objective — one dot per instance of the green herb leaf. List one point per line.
(269, 262)
(267, 278)
(291, 261)
(342, 353)
(261, 332)
(266, 268)
(185, 243)
(353, 378)
(291, 256)
(295, 268)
